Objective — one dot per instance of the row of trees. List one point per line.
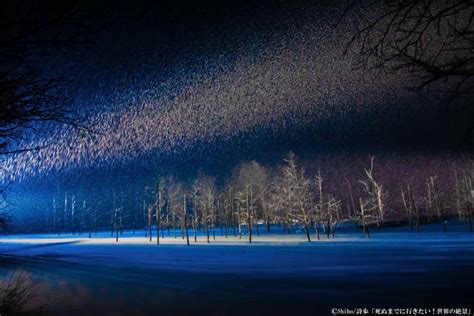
(256, 198)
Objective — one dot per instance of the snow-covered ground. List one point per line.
(275, 275)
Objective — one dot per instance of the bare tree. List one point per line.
(327, 209)
(204, 195)
(117, 216)
(31, 95)
(407, 207)
(150, 221)
(73, 215)
(431, 39)
(284, 192)
(320, 205)
(185, 214)
(434, 202)
(20, 294)
(195, 217)
(228, 210)
(211, 198)
(411, 206)
(251, 185)
(366, 215)
(376, 194)
(245, 204)
(173, 199)
(238, 213)
(158, 194)
(64, 212)
(332, 215)
(353, 208)
(145, 218)
(249, 205)
(55, 211)
(159, 202)
(34, 97)
(295, 186)
(178, 192)
(457, 194)
(465, 196)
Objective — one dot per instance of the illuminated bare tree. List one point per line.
(185, 215)
(353, 209)
(434, 203)
(465, 196)
(159, 203)
(376, 195)
(117, 221)
(366, 215)
(407, 207)
(204, 195)
(196, 209)
(294, 187)
(73, 215)
(158, 193)
(327, 209)
(250, 186)
(173, 197)
(150, 221)
(332, 215)
(320, 205)
(228, 210)
(411, 206)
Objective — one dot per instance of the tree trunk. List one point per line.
(469, 215)
(328, 230)
(250, 229)
(239, 218)
(226, 228)
(158, 215)
(185, 219)
(249, 226)
(149, 224)
(116, 226)
(186, 228)
(366, 229)
(414, 207)
(470, 222)
(307, 232)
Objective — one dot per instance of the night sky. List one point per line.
(172, 88)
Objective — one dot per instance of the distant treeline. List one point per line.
(254, 197)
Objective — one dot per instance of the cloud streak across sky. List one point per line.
(301, 78)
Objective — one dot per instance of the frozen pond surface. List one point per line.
(275, 275)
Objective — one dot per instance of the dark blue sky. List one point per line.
(246, 79)
(173, 88)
